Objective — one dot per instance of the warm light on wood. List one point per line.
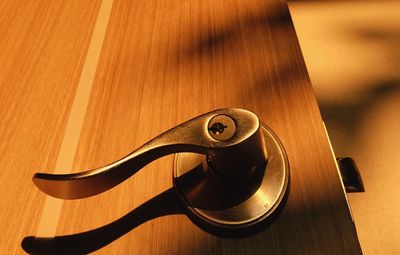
(164, 62)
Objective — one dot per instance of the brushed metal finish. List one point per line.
(191, 136)
(229, 188)
(233, 206)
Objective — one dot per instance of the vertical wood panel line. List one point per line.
(52, 208)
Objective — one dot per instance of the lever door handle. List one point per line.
(229, 168)
(205, 134)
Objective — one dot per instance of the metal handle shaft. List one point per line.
(191, 136)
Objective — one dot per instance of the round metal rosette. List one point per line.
(233, 205)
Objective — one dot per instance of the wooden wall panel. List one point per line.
(42, 48)
(164, 62)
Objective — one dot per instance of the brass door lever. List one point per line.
(231, 171)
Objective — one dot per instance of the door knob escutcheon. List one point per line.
(240, 201)
(231, 172)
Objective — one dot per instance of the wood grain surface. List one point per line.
(42, 48)
(162, 63)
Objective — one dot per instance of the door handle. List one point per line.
(230, 171)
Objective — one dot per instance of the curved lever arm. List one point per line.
(191, 136)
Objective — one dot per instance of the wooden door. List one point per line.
(83, 83)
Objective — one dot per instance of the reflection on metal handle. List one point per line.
(200, 135)
(221, 172)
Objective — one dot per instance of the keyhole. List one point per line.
(221, 127)
(217, 128)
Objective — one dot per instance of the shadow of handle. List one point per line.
(166, 203)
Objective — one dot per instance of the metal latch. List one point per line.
(350, 175)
